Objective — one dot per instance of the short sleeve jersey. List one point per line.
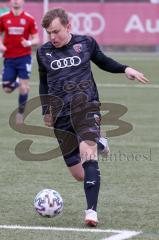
(15, 28)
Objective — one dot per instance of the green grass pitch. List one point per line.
(129, 196)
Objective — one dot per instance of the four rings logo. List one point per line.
(65, 62)
(87, 23)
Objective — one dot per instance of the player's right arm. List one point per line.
(2, 46)
(43, 93)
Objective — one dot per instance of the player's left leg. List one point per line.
(81, 157)
(23, 66)
(88, 131)
(88, 171)
(89, 157)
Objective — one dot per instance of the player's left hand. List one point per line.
(133, 74)
(26, 43)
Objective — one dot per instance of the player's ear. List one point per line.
(69, 27)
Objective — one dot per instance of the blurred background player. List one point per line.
(3, 8)
(19, 31)
(70, 100)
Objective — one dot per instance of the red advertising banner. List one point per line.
(109, 23)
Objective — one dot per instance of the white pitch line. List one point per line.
(124, 235)
(127, 85)
(20, 227)
(118, 234)
(109, 85)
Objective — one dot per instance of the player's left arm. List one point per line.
(103, 61)
(108, 64)
(34, 35)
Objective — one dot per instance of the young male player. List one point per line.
(70, 100)
(20, 33)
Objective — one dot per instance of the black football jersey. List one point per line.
(65, 73)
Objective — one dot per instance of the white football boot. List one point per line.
(103, 146)
(19, 119)
(91, 218)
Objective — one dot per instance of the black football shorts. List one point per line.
(70, 130)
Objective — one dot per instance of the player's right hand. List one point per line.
(2, 47)
(48, 120)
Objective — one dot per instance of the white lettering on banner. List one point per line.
(149, 27)
(87, 23)
(136, 24)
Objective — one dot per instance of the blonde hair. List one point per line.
(55, 13)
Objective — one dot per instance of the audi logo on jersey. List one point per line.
(65, 62)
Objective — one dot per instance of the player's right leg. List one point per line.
(22, 99)
(102, 141)
(69, 146)
(9, 75)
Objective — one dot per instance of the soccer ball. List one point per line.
(48, 203)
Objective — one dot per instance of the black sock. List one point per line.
(91, 183)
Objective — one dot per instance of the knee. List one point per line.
(24, 88)
(88, 151)
(77, 172)
(78, 175)
(7, 87)
(7, 90)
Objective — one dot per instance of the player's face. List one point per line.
(59, 34)
(16, 4)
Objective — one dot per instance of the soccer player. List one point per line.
(20, 33)
(3, 8)
(70, 101)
